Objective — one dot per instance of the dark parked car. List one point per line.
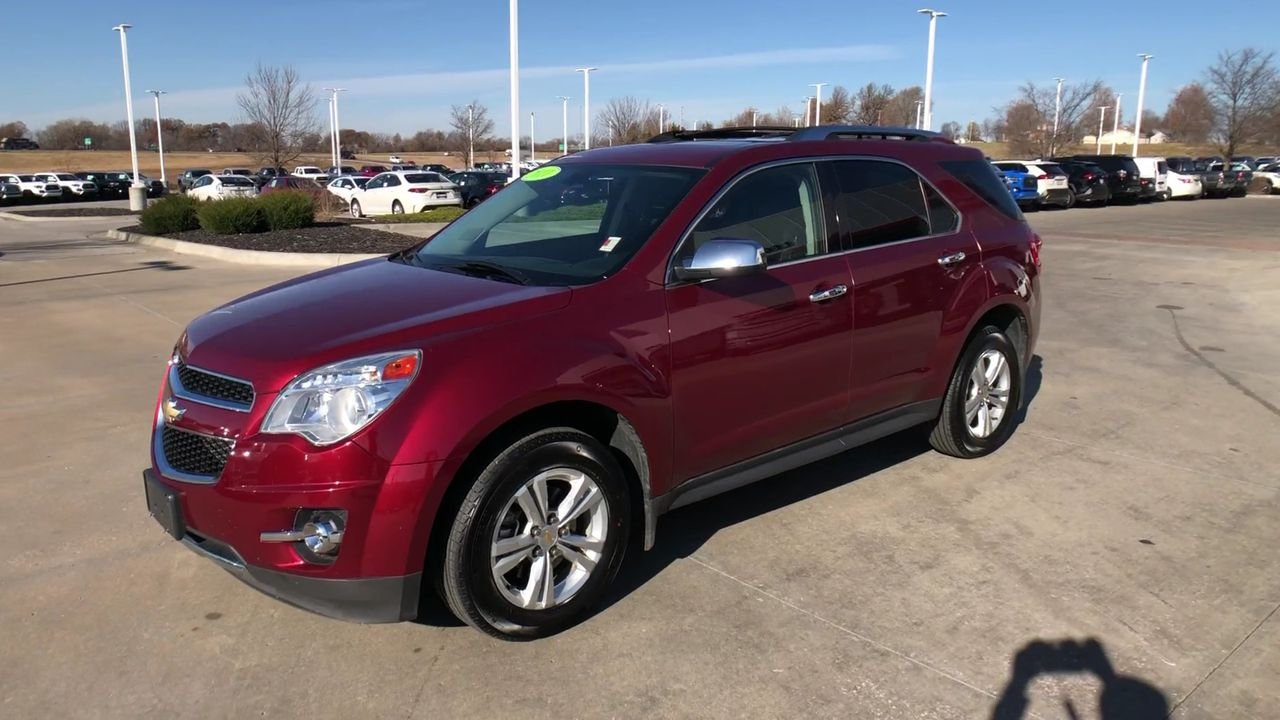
(115, 183)
(1088, 182)
(289, 182)
(1124, 180)
(498, 411)
(188, 177)
(1233, 180)
(438, 168)
(477, 186)
(338, 170)
(20, 143)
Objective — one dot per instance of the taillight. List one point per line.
(1088, 177)
(1240, 176)
(1042, 177)
(1036, 242)
(417, 190)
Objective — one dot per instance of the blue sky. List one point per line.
(406, 62)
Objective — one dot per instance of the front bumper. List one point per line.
(1056, 196)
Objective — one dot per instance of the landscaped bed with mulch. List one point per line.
(73, 212)
(322, 237)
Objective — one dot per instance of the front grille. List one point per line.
(198, 382)
(193, 453)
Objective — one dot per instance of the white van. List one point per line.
(1157, 170)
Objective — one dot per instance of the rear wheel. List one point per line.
(397, 208)
(355, 209)
(538, 537)
(984, 395)
(1071, 200)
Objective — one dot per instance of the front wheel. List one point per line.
(1071, 200)
(397, 208)
(539, 536)
(984, 394)
(355, 209)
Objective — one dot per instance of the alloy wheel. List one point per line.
(549, 539)
(986, 397)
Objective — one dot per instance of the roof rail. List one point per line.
(726, 133)
(865, 132)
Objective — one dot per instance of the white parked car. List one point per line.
(220, 187)
(1266, 178)
(1052, 181)
(405, 191)
(32, 187)
(1156, 170)
(346, 186)
(1183, 185)
(310, 172)
(71, 185)
(395, 159)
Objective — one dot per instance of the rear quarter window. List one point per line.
(981, 178)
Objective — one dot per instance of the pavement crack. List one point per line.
(1231, 380)
(847, 631)
(1223, 661)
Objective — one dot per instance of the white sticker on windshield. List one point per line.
(610, 244)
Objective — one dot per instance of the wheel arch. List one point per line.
(606, 424)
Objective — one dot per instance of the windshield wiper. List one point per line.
(486, 269)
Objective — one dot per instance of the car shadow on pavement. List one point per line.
(1031, 386)
(1122, 697)
(165, 265)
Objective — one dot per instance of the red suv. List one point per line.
(497, 412)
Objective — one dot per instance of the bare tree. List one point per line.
(15, 129)
(1025, 129)
(1189, 117)
(632, 120)
(1028, 120)
(1245, 92)
(871, 102)
(282, 110)
(901, 108)
(951, 130)
(838, 108)
(471, 125)
(973, 132)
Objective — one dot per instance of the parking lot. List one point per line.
(1136, 505)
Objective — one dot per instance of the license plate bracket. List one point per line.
(164, 506)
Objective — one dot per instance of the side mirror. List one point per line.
(723, 257)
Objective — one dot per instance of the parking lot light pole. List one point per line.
(514, 32)
(1142, 96)
(333, 148)
(661, 124)
(919, 110)
(1102, 118)
(817, 100)
(533, 144)
(337, 126)
(159, 135)
(1057, 110)
(564, 113)
(807, 101)
(123, 29)
(1115, 123)
(753, 118)
(928, 68)
(586, 105)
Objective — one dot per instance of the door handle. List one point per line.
(830, 293)
(952, 259)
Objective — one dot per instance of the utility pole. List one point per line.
(928, 70)
(817, 107)
(1057, 110)
(159, 135)
(586, 106)
(1115, 123)
(1142, 96)
(514, 33)
(564, 109)
(123, 29)
(1102, 118)
(533, 144)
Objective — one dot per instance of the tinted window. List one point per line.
(981, 178)
(879, 202)
(375, 183)
(1162, 167)
(236, 181)
(943, 218)
(777, 207)
(360, 182)
(537, 229)
(1052, 170)
(391, 181)
(1016, 167)
(424, 178)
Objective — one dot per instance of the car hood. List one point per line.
(271, 336)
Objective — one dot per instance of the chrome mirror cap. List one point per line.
(723, 257)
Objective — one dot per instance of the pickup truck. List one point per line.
(189, 177)
(312, 173)
(33, 187)
(71, 185)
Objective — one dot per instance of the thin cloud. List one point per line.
(219, 103)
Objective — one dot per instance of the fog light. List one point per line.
(317, 534)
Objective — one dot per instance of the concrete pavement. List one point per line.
(1136, 505)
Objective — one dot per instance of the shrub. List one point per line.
(233, 216)
(288, 210)
(173, 214)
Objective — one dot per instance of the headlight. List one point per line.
(331, 403)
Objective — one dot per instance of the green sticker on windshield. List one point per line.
(542, 173)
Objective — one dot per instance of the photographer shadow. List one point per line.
(1123, 697)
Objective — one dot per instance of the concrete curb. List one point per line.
(420, 230)
(244, 257)
(30, 218)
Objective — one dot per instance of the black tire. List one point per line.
(951, 434)
(355, 209)
(466, 582)
(1071, 200)
(396, 208)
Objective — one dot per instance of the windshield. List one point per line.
(562, 225)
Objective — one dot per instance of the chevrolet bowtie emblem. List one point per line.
(172, 412)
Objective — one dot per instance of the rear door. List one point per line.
(762, 360)
(909, 260)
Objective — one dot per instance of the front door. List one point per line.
(762, 360)
(909, 262)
